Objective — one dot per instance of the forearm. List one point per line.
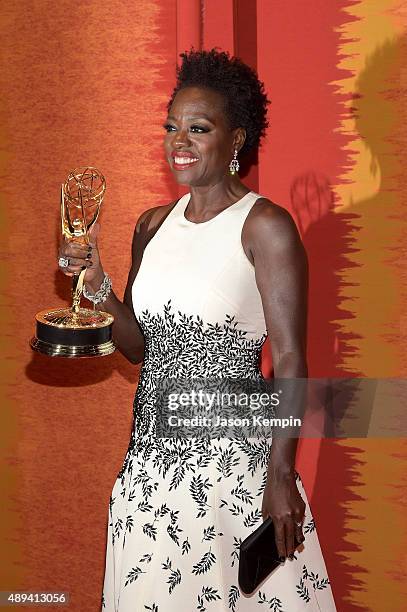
(290, 375)
(126, 332)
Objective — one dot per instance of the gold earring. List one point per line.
(234, 164)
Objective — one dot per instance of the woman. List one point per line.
(212, 274)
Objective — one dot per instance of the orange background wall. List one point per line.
(87, 82)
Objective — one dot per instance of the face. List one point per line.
(199, 143)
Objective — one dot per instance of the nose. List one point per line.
(181, 138)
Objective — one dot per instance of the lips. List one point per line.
(181, 160)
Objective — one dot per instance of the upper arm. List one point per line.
(146, 226)
(281, 271)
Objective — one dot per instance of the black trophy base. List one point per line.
(63, 333)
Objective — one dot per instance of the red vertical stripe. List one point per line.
(245, 38)
(189, 27)
(218, 25)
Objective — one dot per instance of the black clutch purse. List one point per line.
(258, 557)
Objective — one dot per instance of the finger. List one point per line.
(77, 261)
(298, 534)
(75, 269)
(298, 519)
(93, 234)
(289, 536)
(280, 539)
(74, 250)
(264, 514)
(72, 270)
(74, 253)
(67, 273)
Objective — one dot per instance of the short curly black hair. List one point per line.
(245, 99)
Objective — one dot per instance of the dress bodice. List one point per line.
(195, 295)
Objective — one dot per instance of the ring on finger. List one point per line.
(63, 262)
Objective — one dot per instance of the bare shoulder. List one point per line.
(266, 215)
(151, 218)
(147, 225)
(269, 227)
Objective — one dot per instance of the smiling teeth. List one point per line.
(185, 160)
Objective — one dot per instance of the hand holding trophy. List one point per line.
(76, 331)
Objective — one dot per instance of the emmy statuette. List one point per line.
(76, 331)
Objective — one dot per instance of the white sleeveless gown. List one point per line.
(180, 508)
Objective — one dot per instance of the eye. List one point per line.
(199, 129)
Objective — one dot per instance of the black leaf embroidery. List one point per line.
(198, 488)
(234, 595)
(309, 527)
(236, 550)
(251, 519)
(209, 533)
(205, 564)
(150, 530)
(302, 590)
(241, 493)
(227, 460)
(186, 546)
(173, 531)
(174, 577)
(207, 594)
(133, 575)
(275, 604)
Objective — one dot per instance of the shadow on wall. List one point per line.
(357, 255)
(79, 372)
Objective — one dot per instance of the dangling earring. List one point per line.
(234, 164)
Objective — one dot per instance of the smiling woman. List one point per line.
(212, 275)
(200, 142)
